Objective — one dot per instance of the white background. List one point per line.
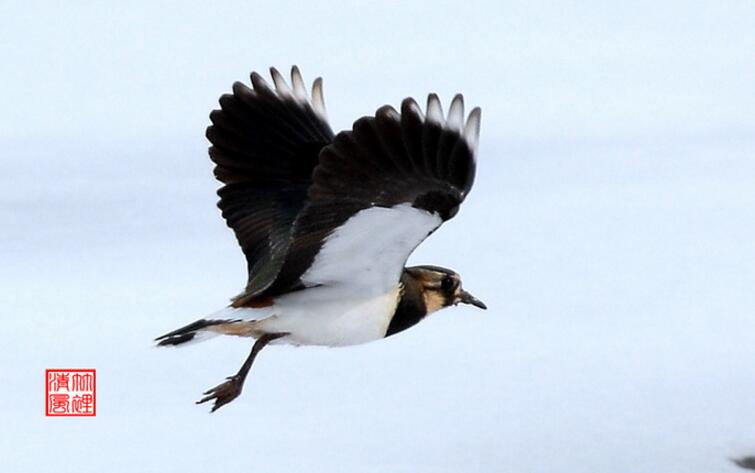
(611, 233)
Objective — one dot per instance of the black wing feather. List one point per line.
(384, 161)
(265, 144)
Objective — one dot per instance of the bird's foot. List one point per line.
(223, 393)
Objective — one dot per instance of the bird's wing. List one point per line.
(378, 191)
(265, 144)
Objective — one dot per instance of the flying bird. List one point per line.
(327, 222)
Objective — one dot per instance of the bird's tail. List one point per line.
(229, 321)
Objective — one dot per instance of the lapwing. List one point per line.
(327, 222)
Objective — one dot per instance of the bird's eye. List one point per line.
(447, 285)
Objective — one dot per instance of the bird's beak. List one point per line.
(468, 298)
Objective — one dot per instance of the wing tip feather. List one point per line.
(259, 83)
(471, 133)
(409, 106)
(434, 109)
(281, 86)
(318, 99)
(297, 81)
(455, 119)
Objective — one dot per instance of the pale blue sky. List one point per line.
(610, 232)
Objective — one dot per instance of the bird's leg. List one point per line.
(229, 390)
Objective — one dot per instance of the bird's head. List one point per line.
(441, 287)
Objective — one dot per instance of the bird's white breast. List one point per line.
(330, 316)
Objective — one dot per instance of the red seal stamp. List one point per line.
(70, 392)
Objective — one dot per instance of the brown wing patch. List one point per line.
(252, 303)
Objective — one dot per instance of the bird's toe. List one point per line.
(222, 393)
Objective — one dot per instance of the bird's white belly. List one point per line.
(323, 316)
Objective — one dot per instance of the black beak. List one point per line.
(468, 298)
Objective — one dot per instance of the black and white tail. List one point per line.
(241, 325)
(194, 332)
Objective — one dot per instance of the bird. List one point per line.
(327, 221)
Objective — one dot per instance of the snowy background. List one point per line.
(611, 233)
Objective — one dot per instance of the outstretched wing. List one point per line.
(378, 191)
(265, 144)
